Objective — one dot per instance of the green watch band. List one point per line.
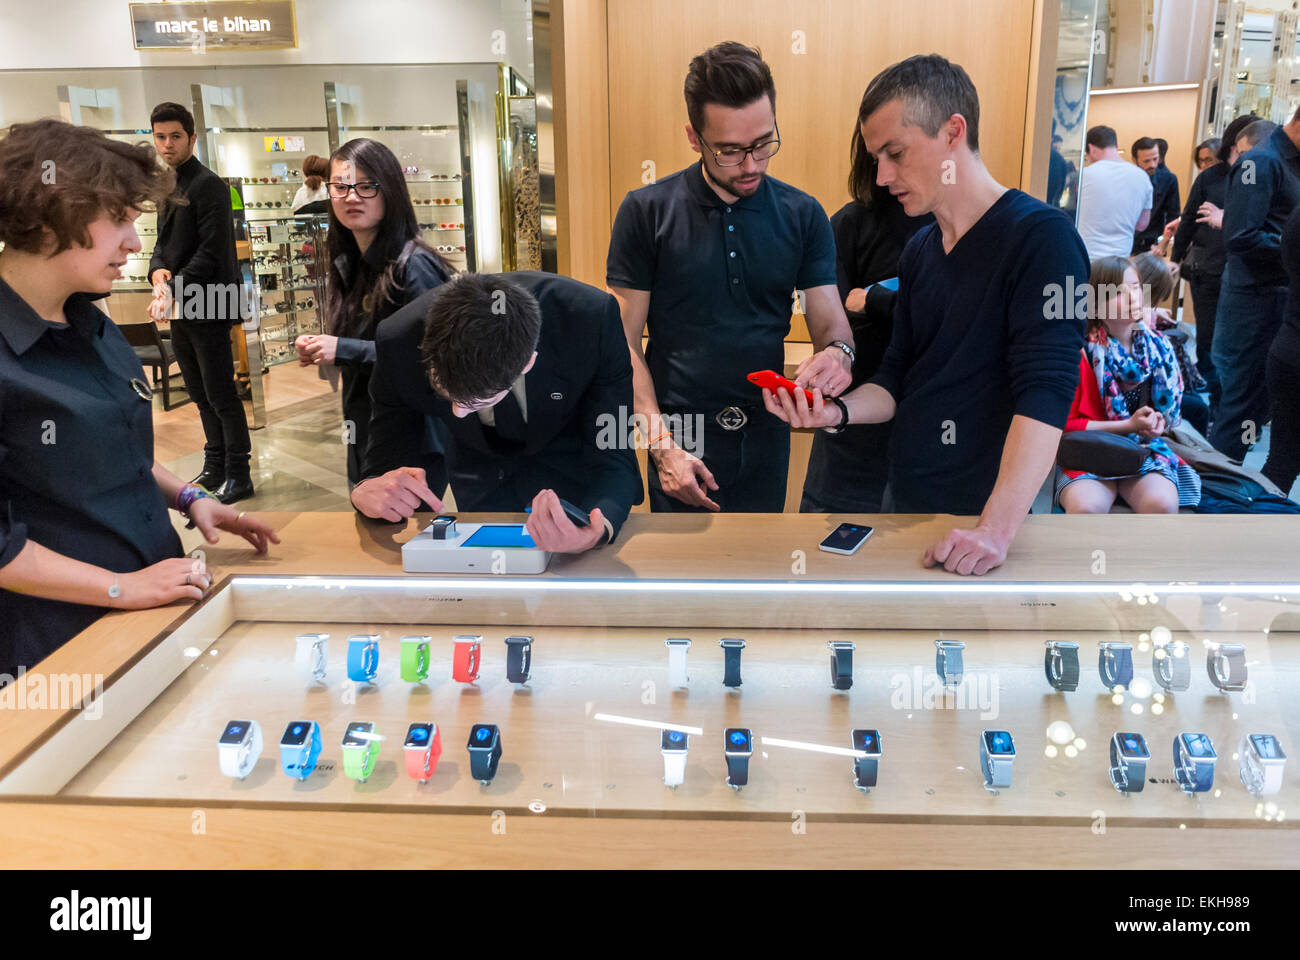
(360, 764)
(415, 658)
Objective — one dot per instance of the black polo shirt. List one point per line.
(721, 278)
(76, 463)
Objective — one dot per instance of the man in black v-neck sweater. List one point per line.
(196, 246)
(983, 362)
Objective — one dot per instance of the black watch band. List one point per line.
(519, 658)
(842, 665)
(848, 351)
(731, 659)
(844, 416)
(483, 763)
(737, 771)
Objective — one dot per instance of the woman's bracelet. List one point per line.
(190, 493)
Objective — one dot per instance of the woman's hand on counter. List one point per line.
(210, 515)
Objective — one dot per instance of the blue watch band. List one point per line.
(1115, 664)
(363, 658)
(299, 762)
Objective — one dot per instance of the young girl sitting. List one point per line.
(1129, 383)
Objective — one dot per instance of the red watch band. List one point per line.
(420, 764)
(464, 665)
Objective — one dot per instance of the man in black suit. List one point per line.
(196, 248)
(1165, 206)
(529, 377)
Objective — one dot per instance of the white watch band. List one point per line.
(237, 761)
(674, 768)
(677, 663)
(1258, 779)
(310, 657)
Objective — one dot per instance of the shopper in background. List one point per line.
(1263, 190)
(1283, 371)
(312, 196)
(1129, 384)
(1058, 173)
(981, 368)
(707, 260)
(1253, 134)
(1157, 277)
(196, 247)
(1149, 157)
(84, 522)
(378, 263)
(847, 471)
(1198, 244)
(1114, 198)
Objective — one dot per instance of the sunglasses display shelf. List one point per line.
(288, 266)
(440, 211)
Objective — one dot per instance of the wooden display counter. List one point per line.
(134, 781)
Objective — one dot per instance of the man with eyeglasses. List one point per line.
(708, 260)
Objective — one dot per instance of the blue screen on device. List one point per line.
(501, 535)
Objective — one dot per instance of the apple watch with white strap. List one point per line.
(1262, 763)
(677, 647)
(311, 655)
(673, 744)
(239, 747)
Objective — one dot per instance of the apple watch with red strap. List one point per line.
(464, 665)
(423, 747)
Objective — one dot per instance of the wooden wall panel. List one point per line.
(846, 42)
(1159, 113)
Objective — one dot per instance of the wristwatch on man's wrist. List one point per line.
(844, 416)
(848, 351)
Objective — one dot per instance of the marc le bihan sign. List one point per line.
(217, 25)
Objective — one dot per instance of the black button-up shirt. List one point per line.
(1263, 189)
(76, 463)
(721, 278)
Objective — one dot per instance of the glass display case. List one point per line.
(987, 704)
(290, 264)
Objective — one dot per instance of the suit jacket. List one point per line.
(196, 240)
(579, 396)
(1165, 208)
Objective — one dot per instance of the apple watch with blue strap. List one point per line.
(1115, 664)
(363, 657)
(300, 748)
(1194, 758)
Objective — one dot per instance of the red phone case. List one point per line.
(771, 380)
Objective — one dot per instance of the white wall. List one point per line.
(97, 33)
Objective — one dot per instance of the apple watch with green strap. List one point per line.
(360, 750)
(415, 658)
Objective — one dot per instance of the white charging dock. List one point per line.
(424, 554)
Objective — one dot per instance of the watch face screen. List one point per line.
(868, 741)
(350, 738)
(1265, 744)
(672, 740)
(482, 735)
(738, 740)
(999, 743)
(296, 734)
(419, 735)
(1133, 746)
(235, 731)
(1198, 745)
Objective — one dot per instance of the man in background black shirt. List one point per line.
(196, 247)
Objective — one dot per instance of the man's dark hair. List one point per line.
(1142, 143)
(480, 332)
(1212, 144)
(932, 90)
(167, 112)
(93, 176)
(1257, 131)
(729, 74)
(1163, 144)
(1102, 137)
(1231, 132)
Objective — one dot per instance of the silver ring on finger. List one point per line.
(187, 580)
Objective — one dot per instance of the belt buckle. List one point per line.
(731, 418)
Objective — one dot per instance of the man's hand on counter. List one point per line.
(394, 495)
(969, 551)
(552, 530)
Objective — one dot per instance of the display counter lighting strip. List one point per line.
(652, 724)
(813, 747)
(1151, 89)
(512, 585)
